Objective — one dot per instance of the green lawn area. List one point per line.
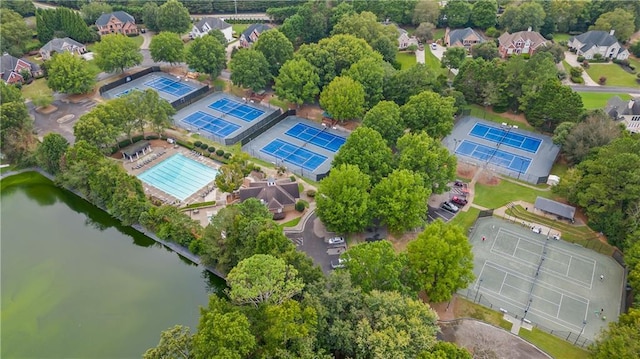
(559, 168)
(504, 193)
(567, 67)
(438, 34)
(561, 37)
(406, 59)
(479, 112)
(36, 88)
(238, 29)
(466, 219)
(553, 345)
(593, 100)
(615, 75)
(292, 223)
(431, 61)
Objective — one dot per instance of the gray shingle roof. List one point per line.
(260, 28)
(616, 107)
(57, 44)
(120, 15)
(458, 35)
(8, 63)
(275, 196)
(595, 38)
(553, 207)
(213, 22)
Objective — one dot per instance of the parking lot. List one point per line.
(435, 202)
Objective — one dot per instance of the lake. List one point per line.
(75, 283)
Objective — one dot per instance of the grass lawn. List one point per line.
(431, 61)
(479, 112)
(438, 34)
(593, 100)
(559, 168)
(553, 345)
(561, 37)
(504, 193)
(36, 88)
(615, 75)
(466, 309)
(567, 67)
(292, 223)
(238, 29)
(406, 59)
(466, 219)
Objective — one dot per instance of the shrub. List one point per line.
(576, 72)
(257, 168)
(227, 155)
(577, 80)
(548, 37)
(197, 143)
(300, 206)
(152, 137)
(292, 178)
(211, 149)
(526, 56)
(220, 152)
(585, 64)
(564, 43)
(492, 32)
(204, 146)
(602, 80)
(597, 57)
(137, 138)
(311, 193)
(580, 58)
(185, 144)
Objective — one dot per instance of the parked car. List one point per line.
(375, 238)
(338, 264)
(458, 183)
(335, 240)
(434, 46)
(448, 206)
(459, 200)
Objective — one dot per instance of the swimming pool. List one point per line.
(179, 176)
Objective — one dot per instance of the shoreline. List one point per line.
(176, 248)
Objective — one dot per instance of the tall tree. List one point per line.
(276, 48)
(446, 350)
(263, 279)
(620, 20)
(400, 200)
(175, 342)
(343, 200)
(229, 177)
(521, 17)
(403, 84)
(426, 11)
(441, 260)
(553, 104)
(223, 332)
(484, 13)
(14, 32)
(454, 57)
(566, 14)
(427, 157)
(425, 32)
(377, 266)
(117, 52)
(70, 74)
(150, 15)
(621, 339)
(367, 150)
(250, 69)
(174, 17)
(288, 330)
(595, 131)
(50, 151)
(430, 112)
(486, 50)
(92, 11)
(458, 13)
(385, 118)
(207, 55)
(365, 26)
(297, 82)
(168, 47)
(343, 99)
(370, 74)
(23, 7)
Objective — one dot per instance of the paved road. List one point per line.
(243, 16)
(616, 89)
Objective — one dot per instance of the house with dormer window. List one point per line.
(521, 42)
(12, 69)
(208, 24)
(462, 38)
(251, 34)
(117, 22)
(598, 42)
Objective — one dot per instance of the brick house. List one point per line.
(11, 69)
(118, 22)
(251, 34)
(521, 42)
(598, 42)
(61, 45)
(462, 38)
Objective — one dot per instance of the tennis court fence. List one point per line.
(129, 78)
(191, 98)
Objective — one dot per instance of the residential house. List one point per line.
(627, 112)
(61, 45)
(251, 34)
(11, 69)
(207, 24)
(598, 42)
(462, 38)
(521, 42)
(278, 196)
(117, 22)
(404, 40)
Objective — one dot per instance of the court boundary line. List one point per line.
(540, 141)
(493, 152)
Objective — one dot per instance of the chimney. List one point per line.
(529, 29)
(613, 31)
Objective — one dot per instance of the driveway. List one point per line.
(438, 52)
(312, 241)
(572, 60)
(62, 120)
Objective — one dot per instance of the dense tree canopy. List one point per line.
(430, 112)
(403, 84)
(553, 104)
(441, 260)
(367, 150)
(62, 21)
(595, 131)
(365, 25)
(168, 47)
(620, 20)
(150, 15)
(297, 82)
(276, 48)
(70, 74)
(454, 57)
(483, 14)
(250, 69)
(385, 118)
(343, 200)
(486, 50)
(17, 141)
(522, 16)
(343, 99)
(14, 32)
(377, 266)
(458, 13)
(426, 11)
(400, 200)
(92, 11)
(174, 17)
(116, 52)
(370, 74)
(50, 152)
(621, 339)
(207, 55)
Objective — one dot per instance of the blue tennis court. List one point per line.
(507, 138)
(179, 176)
(211, 124)
(236, 109)
(295, 155)
(495, 156)
(317, 137)
(169, 86)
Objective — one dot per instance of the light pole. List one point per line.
(584, 324)
(455, 144)
(527, 309)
